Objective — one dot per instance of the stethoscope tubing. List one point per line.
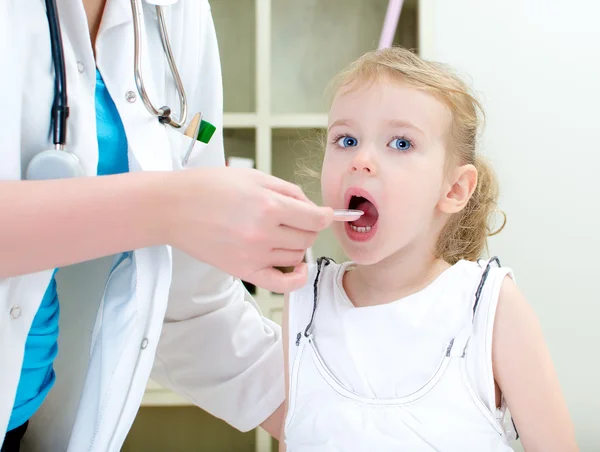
(60, 107)
(163, 113)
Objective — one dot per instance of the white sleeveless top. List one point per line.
(412, 375)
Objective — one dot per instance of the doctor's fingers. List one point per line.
(303, 215)
(286, 258)
(288, 238)
(276, 281)
(285, 188)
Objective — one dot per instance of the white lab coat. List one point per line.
(214, 348)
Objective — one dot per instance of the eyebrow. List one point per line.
(406, 124)
(340, 122)
(392, 122)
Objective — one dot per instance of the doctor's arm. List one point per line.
(49, 224)
(524, 372)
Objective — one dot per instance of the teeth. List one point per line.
(360, 228)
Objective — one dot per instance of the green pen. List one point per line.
(200, 129)
(205, 132)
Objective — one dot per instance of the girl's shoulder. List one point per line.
(484, 271)
(323, 273)
(324, 276)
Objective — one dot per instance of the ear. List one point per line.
(461, 185)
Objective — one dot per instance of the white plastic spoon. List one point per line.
(346, 214)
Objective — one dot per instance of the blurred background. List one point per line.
(535, 65)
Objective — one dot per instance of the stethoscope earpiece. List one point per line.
(54, 164)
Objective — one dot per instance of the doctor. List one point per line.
(189, 228)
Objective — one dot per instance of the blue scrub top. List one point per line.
(41, 347)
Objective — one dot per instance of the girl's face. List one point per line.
(386, 155)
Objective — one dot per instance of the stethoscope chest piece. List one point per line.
(53, 164)
(56, 163)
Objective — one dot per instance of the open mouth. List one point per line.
(366, 222)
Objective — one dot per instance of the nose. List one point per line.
(363, 163)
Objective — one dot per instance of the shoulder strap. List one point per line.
(484, 276)
(321, 263)
(458, 345)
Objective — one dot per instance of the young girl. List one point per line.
(415, 345)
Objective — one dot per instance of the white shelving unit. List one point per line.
(277, 58)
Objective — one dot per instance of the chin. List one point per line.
(364, 259)
(366, 253)
(385, 246)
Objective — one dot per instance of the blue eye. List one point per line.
(346, 141)
(401, 144)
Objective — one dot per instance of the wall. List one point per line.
(536, 65)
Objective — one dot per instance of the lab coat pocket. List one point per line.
(196, 153)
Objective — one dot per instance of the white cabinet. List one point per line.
(277, 58)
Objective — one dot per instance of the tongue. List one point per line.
(370, 214)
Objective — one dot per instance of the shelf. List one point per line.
(318, 120)
(251, 120)
(296, 153)
(271, 306)
(312, 40)
(156, 395)
(240, 120)
(240, 143)
(182, 429)
(235, 26)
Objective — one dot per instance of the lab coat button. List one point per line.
(80, 67)
(144, 343)
(130, 96)
(15, 312)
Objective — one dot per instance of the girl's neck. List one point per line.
(393, 278)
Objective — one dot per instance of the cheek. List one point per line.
(331, 176)
(416, 192)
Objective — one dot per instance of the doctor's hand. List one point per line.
(244, 222)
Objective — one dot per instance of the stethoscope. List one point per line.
(59, 163)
